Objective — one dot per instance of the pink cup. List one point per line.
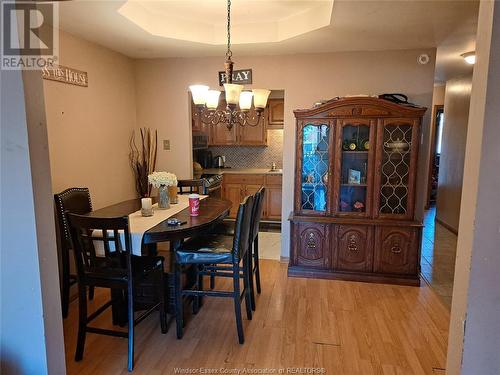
(194, 204)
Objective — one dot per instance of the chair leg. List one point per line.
(249, 269)
(65, 284)
(163, 303)
(256, 261)
(130, 327)
(237, 302)
(91, 293)
(247, 264)
(196, 300)
(212, 279)
(178, 300)
(200, 298)
(82, 322)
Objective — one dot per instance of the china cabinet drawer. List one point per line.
(354, 250)
(396, 250)
(312, 248)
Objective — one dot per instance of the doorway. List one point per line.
(436, 142)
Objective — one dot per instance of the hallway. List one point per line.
(439, 247)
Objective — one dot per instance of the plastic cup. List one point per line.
(194, 204)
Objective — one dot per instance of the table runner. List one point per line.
(139, 224)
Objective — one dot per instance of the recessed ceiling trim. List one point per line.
(170, 19)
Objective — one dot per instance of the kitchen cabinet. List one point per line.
(233, 192)
(220, 135)
(275, 113)
(273, 203)
(253, 135)
(236, 186)
(200, 130)
(356, 172)
(240, 135)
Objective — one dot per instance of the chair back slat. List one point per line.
(190, 186)
(87, 231)
(258, 206)
(242, 228)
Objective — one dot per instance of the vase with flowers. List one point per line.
(161, 181)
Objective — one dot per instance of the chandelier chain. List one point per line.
(229, 53)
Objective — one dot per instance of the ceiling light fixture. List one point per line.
(469, 57)
(238, 102)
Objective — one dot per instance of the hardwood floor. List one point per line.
(439, 251)
(347, 328)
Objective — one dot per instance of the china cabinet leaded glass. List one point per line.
(316, 150)
(354, 215)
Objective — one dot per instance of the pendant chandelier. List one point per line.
(238, 101)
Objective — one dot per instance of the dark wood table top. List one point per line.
(212, 211)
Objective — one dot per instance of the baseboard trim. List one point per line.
(284, 259)
(447, 226)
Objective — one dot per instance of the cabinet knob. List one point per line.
(352, 246)
(311, 241)
(396, 249)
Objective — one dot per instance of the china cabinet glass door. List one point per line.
(355, 168)
(315, 166)
(397, 169)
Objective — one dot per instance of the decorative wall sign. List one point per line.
(239, 76)
(65, 75)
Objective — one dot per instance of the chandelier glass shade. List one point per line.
(238, 101)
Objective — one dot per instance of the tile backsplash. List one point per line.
(254, 157)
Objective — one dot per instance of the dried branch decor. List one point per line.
(143, 159)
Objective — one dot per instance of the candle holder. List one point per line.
(146, 206)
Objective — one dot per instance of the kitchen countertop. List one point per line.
(242, 171)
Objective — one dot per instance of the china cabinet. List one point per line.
(354, 214)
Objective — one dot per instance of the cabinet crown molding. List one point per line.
(360, 106)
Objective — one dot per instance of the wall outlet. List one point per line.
(166, 144)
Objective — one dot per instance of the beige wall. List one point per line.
(438, 95)
(451, 165)
(473, 347)
(89, 127)
(163, 102)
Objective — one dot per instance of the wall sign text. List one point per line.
(239, 76)
(65, 75)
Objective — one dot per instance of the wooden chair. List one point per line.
(257, 208)
(75, 200)
(190, 186)
(225, 230)
(213, 257)
(117, 269)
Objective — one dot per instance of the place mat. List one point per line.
(139, 224)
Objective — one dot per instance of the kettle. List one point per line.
(219, 161)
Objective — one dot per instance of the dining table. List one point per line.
(147, 232)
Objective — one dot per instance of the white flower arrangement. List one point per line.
(162, 178)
